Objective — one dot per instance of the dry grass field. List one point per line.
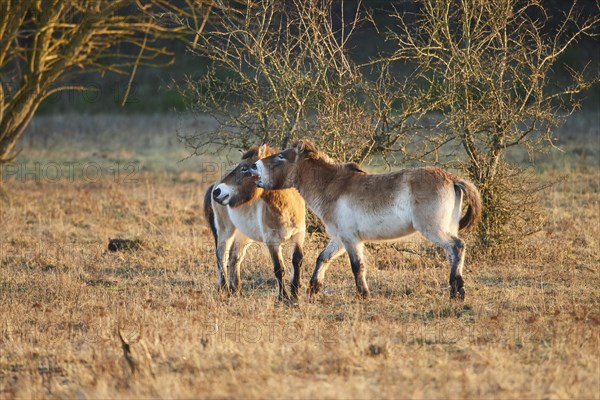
(529, 327)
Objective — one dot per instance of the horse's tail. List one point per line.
(209, 213)
(473, 214)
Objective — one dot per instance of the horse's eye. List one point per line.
(244, 169)
(280, 157)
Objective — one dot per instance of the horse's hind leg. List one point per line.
(279, 268)
(223, 251)
(359, 268)
(455, 251)
(333, 250)
(456, 257)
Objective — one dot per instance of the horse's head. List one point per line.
(239, 187)
(280, 171)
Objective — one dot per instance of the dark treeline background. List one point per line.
(153, 89)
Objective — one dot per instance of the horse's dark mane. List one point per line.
(311, 151)
(352, 166)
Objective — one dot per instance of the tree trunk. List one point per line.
(12, 128)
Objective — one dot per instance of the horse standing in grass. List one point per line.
(356, 207)
(239, 212)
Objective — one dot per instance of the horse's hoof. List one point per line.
(283, 297)
(310, 295)
(460, 292)
(315, 287)
(294, 294)
(290, 302)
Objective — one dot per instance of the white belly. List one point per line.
(368, 224)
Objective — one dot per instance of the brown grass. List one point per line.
(529, 328)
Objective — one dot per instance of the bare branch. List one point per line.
(42, 43)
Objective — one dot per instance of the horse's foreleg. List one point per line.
(295, 282)
(279, 268)
(237, 255)
(359, 268)
(333, 250)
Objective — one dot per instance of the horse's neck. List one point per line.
(277, 199)
(247, 194)
(315, 202)
(315, 185)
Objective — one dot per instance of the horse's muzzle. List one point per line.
(220, 197)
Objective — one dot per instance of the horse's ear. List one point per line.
(300, 146)
(262, 151)
(252, 151)
(307, 148)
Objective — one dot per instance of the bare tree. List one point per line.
(282, 70)
(43, 42)
(463, 82)
(489, 65)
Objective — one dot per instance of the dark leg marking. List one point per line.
(456, 256)
(329, 253)
(279, 272)
(297, 264)
(358, 270)
(315, 284)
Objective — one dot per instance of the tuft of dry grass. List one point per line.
(80, 321)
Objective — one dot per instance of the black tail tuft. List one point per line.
(473, 198)
(209, 213)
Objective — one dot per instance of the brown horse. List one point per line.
(239, 212)
(357, 207)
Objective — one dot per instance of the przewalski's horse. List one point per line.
(239, 212)
(357, 207)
